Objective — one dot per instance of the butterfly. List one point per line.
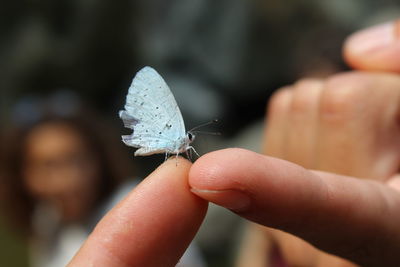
(154, 116)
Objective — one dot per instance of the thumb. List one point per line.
(376, 48)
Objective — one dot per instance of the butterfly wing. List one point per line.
(153, 114)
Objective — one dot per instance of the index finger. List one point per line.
(346, 216)
(152, 226)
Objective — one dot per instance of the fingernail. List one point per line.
(374, 38)
(231, 199)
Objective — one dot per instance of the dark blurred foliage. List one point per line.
(238, 50)
(83, 45)
(95, 47)
(13, 252)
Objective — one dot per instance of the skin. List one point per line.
(355, 219)
(326, 124)
(324, 130)
(60, 170)
(152, 226)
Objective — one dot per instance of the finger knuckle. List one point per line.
(342, 92)
(280, 101)
(306, 95)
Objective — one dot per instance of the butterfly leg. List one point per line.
(194, 150)
(166, 156)
(176, 159)
(189, 154)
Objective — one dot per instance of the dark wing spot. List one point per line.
(159, 132)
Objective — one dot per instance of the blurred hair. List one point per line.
(17, 204)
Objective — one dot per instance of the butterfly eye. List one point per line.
(190, 136)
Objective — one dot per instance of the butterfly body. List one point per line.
(154, 116)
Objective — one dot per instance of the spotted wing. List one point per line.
(153, 114)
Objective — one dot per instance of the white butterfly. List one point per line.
(153, 115)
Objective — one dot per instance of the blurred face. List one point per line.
(60, 170)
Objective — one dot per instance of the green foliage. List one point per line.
(13, 250)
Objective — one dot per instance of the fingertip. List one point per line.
(178, 165)
(214, 170)
(376, 48)
(247, 183)
(177, 161)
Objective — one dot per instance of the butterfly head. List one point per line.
(190, 137)
(184, 143)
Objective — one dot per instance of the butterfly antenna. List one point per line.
(203, 132)
(204, 124)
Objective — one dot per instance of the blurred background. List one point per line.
(65, 68)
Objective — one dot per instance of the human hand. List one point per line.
(152, 226)
(347, 118)
(345, 124)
